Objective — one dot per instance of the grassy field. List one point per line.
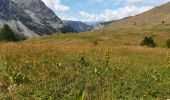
(87, 66)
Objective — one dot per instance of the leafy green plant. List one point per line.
(17, 78)
(107, 61)
(81, 59)
(106, 65)
(168, 43)
(168, 61)
(81, 96)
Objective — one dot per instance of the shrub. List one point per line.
(95, 42)
(6, 33)
(163, 22)
(168, 43)
(148, 41)
(81, 59)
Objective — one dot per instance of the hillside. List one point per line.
(105, 64)
(78, 25)
(31, 18)
(154, 20)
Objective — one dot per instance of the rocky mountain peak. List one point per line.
(31, 18)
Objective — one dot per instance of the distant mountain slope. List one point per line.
(103, 24)
(31, 18)
(154, 20)
(78, 26)
(95, 23)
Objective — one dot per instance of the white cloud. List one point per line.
(114, 14)
(56, 5)
(133, 1)
(66, 17)
(136, 2)
(129, 2)
(88, 17)
(126, 8)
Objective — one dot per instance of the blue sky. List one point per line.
(100, 10)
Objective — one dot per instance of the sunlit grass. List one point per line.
(90, 66)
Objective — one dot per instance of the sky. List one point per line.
(100, 10)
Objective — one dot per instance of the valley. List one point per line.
(126, 59)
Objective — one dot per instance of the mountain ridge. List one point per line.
(154, 20)
(78, 25)
(31, 18)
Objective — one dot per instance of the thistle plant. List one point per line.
(168, 61)
(106, 64)
(107, 61)
(81, 58)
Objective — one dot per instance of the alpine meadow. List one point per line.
(43, 57)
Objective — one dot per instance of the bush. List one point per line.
(95, 42)
(148, 41)
(163, 22)
(168, 43)
(6, 33)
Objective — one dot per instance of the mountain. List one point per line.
(78, 25)
(102, 24)
(108, 22)
(95, 23)
(154, 20)
(31, 18)
(18, 20)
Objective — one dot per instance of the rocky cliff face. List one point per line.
(31, 18)
(18, 20)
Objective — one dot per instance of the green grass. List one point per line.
(73, 67)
